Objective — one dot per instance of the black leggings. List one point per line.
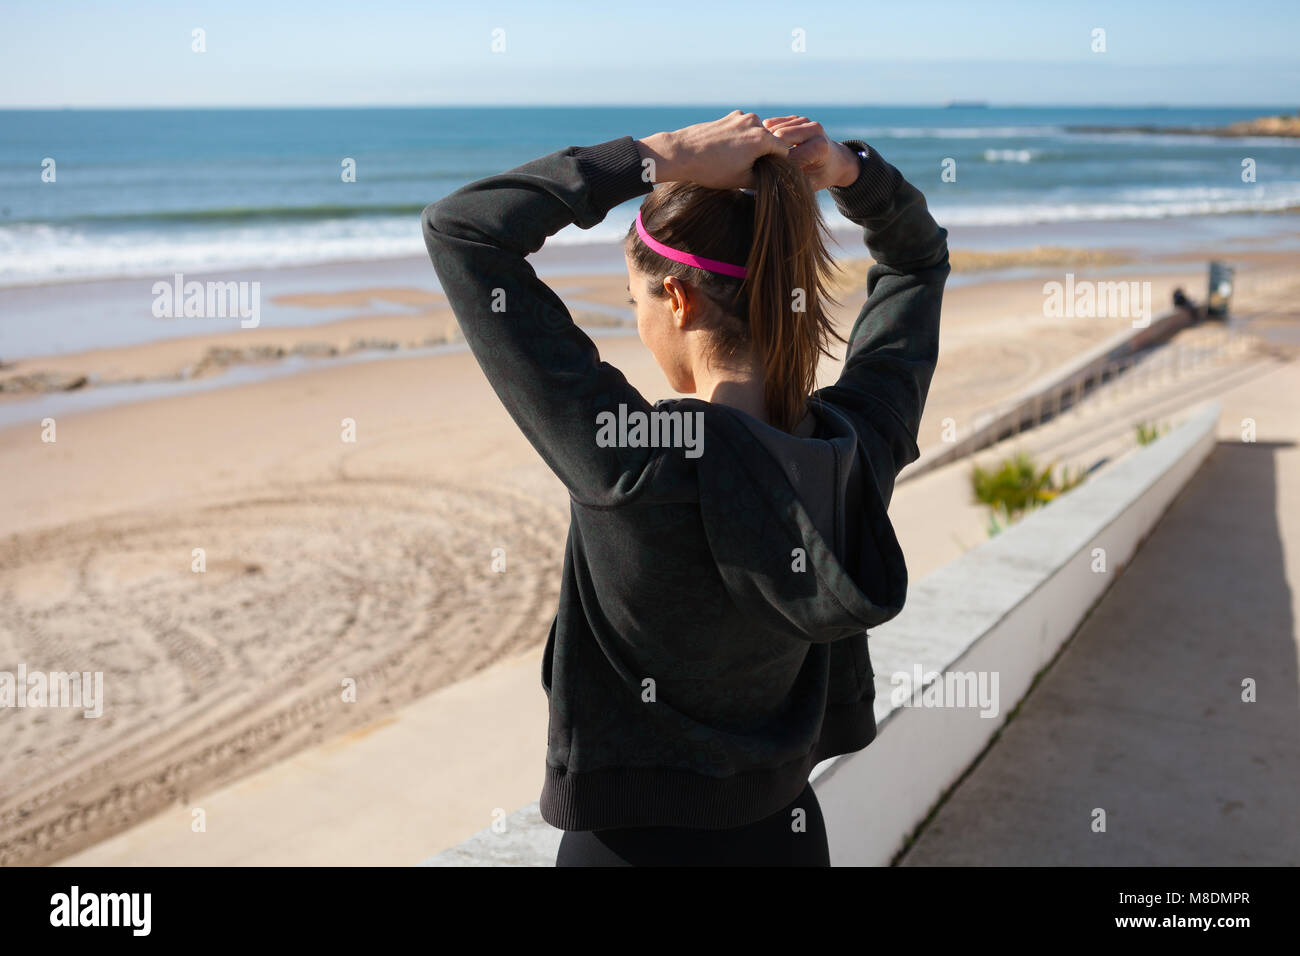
(772, 841)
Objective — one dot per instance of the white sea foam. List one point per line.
(953, 132)
(39, 253)
(1174, 203)
(45, 253)
(31, 254)
(1010, 155)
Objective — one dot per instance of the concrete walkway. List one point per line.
(1142, 714)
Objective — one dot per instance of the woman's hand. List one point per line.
(824, 161)
(719, 154)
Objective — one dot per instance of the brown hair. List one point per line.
(778, 310)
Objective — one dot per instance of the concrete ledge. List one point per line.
(1004, 608)
(524, 839)
(1059, 391)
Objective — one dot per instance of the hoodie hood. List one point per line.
(798, 526)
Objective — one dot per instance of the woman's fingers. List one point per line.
(810, 152)
(807, 140)
(780, 122)
(720, 154)
(775, 122)
(773, 144)
(757, 139)
(810, 148)
(760, 127)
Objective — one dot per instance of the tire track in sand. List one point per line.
(211, 676)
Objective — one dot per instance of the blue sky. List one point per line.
(439, 53)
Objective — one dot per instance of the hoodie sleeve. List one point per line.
(894, 345)
(545, 370)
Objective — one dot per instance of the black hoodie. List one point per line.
(710, 646)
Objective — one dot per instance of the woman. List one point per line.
(727, 552)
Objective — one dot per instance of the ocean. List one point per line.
(152, 192)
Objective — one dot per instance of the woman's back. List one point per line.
(710, 643)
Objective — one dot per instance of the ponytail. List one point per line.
(788, 268)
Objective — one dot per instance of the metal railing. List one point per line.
(1190, 348)
(1157, 367)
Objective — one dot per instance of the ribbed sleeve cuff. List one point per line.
(870, 193)
(613, 171)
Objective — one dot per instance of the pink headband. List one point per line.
(668, 252)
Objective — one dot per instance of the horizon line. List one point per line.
(946, 104)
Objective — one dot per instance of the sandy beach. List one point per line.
(329, 563)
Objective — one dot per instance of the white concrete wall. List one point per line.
(1005, 607)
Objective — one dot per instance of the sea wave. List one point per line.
(31, 254)
(954, 132)
(239, 214)
(1010, 155)
(38, 253)
(43, 253)
(1174, 207)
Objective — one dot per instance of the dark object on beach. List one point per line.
(1195, 309)
(1220, 293)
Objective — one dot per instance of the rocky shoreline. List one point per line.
(1281, 126)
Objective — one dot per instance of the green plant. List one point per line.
(1016, 486)
(1147, 433)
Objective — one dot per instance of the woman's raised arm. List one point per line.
(546, 371)
(894, 346)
